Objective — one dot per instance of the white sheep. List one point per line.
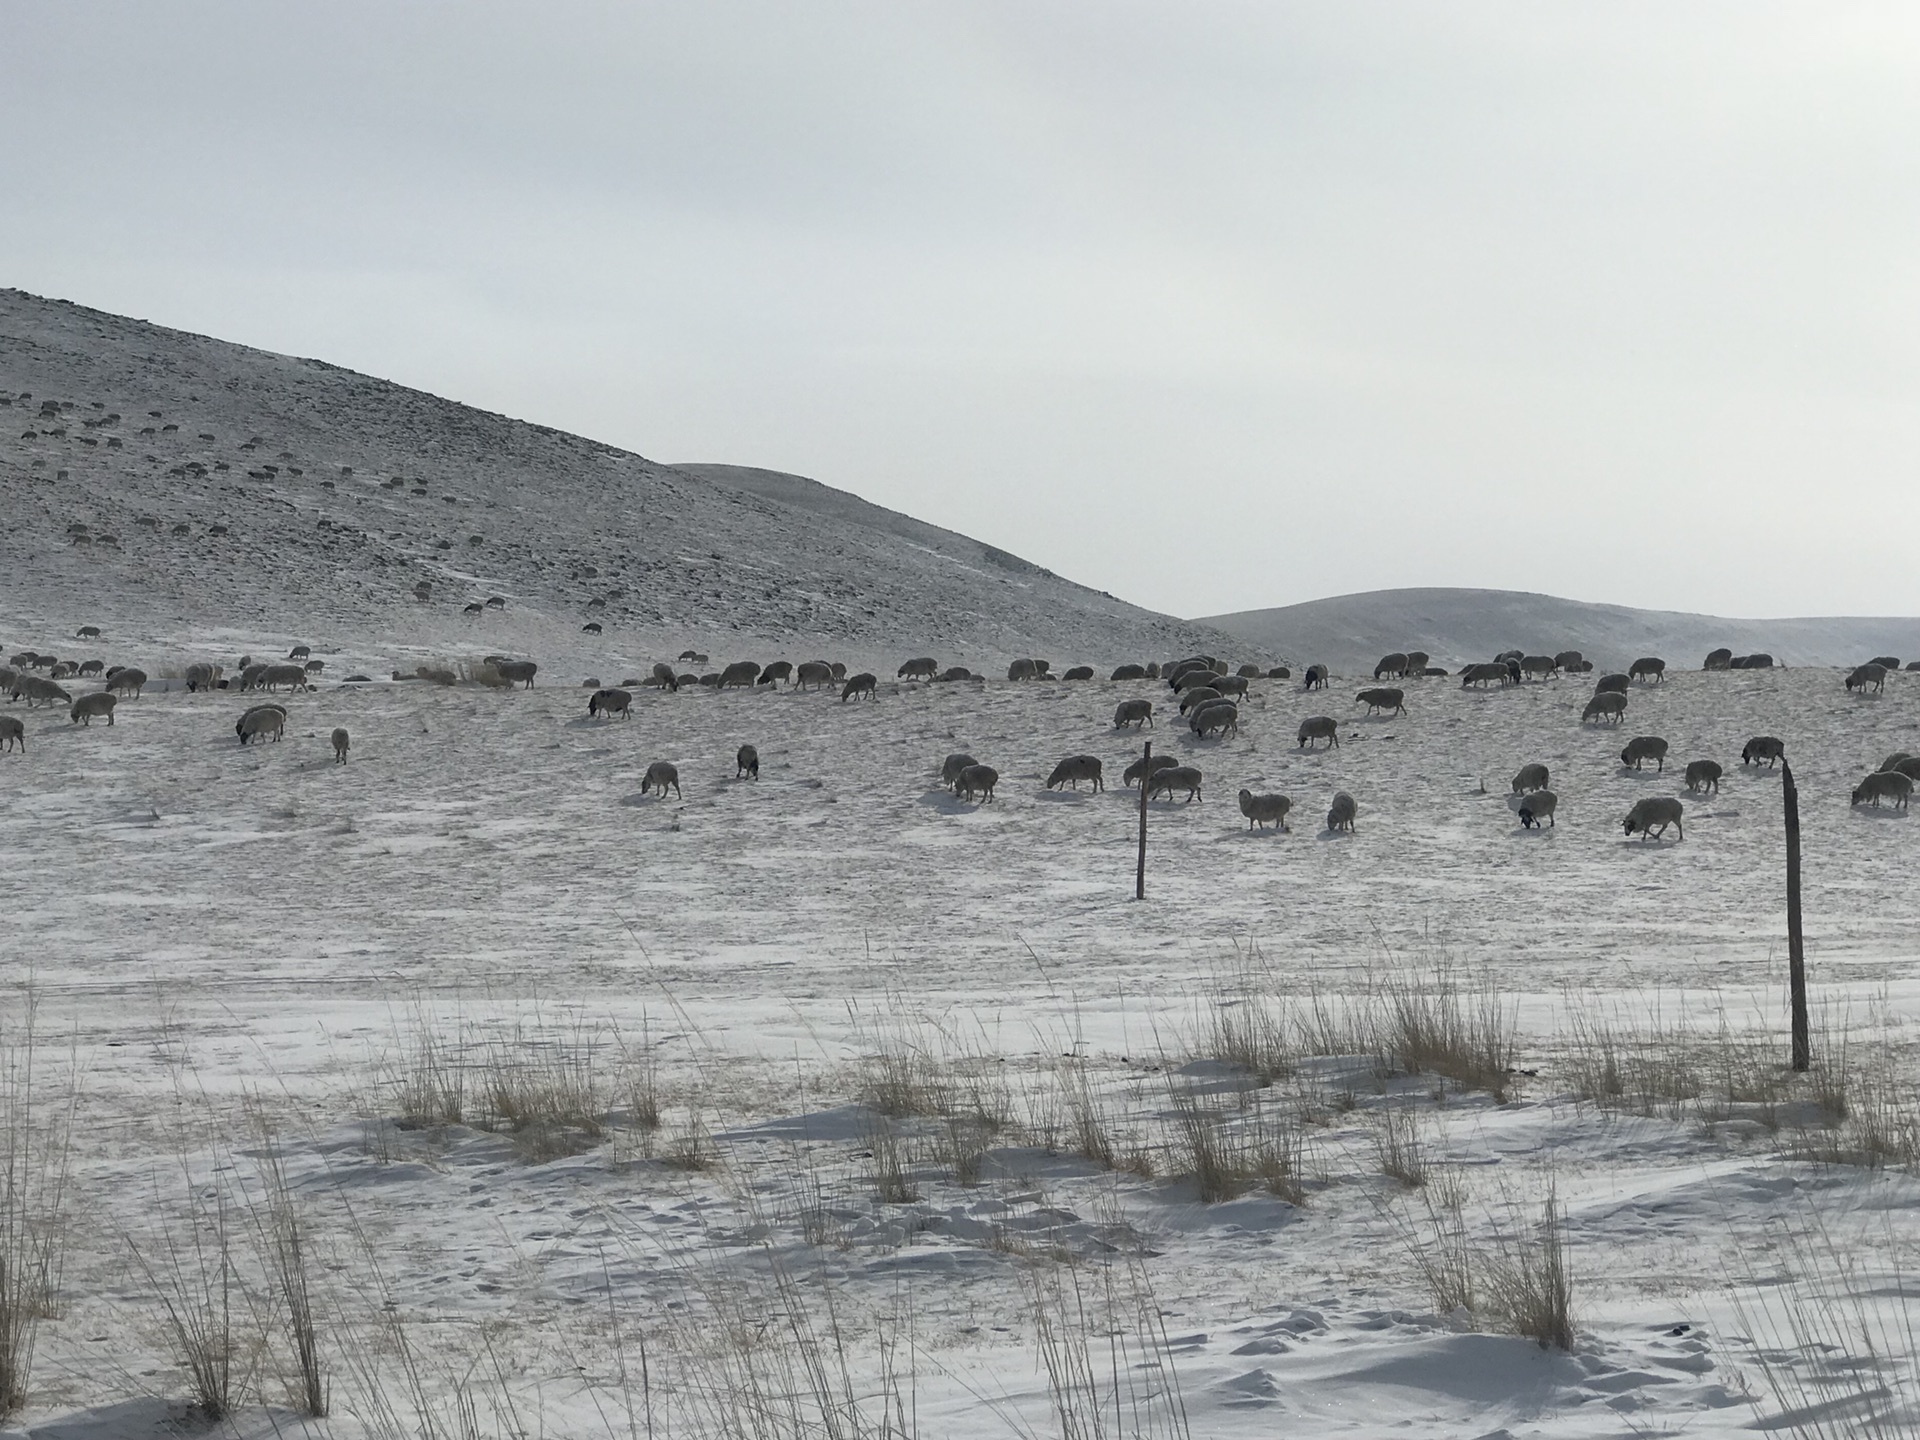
(83, 710)
(1264, 810)
(1136, 713)
(1643, 748)
(1340, 816)
(1530, 778)
(1539, 806)
(1703, 775)
(1074, 769)
(1884, 785)
(1175, 777)
(977, 780)
(1319, 727)
(660, 774)
(1653, 815)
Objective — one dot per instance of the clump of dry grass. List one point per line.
(1440, 1027)
(891, 1180)
(35, 1156)
(1400, 1144)
(1518, 1282)
(1087, 1127)
(483, 672)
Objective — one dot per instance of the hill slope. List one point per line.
(1351, 632)
(340, 493)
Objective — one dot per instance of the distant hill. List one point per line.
(1351, 632)
(340, 493)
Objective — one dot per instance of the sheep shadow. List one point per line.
(947, 803)
(1335, 835)
(1879, 812)
(1632, 772)
(639, 799)
(1253, 833)
(1065, 796)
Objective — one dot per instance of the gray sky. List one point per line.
(1215, 306)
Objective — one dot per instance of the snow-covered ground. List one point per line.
(206, 922)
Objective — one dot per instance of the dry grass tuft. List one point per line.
(35, 1156)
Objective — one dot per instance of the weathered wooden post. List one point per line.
(1146, 776)
(1796, 947)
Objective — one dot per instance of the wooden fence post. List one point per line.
(1796, 948)
(1146, 777)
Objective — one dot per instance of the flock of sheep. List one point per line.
(1208, 691)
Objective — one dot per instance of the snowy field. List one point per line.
(929, 1079)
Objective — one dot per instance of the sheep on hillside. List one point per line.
(660, 774)
(1074, 769)
(517, 672)
(1868, 677)
(1175, 777)
(1703, 775)
(740, 674)
(13, 732)
(260, 721)
(1648, 667)
(1884, 785)
(1316, 677)
(951, 768)
(1608, 706)
(1319, 727)
(1653, 815)
(610, 702)
(82, 711)
(1643, 748)
(1539, 807)
(340, 742)
(1222, 715)
(1770, 748)
(1264, 810)
(746, 761)
(1530, 778)
(1129, 672)
(127, 682)
(1384, 699)
(1395, 665)
(861, 684)
(1340, 815)
(977, 780)
(1136, 713)
(1138, 768)
(921, 668)
(776, 672)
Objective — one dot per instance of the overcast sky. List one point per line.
(1215, 306)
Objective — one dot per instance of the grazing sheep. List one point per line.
(1172, 673)
(1137, 713)
(1892, 762)
(274, 676)
(1568, 660)
(299, 652)
(1416, 661)
(1131, 775)
(520, 672)
(1195, 679)
(1074, 769)
(1760, 661)
(1648, 667)
(1653, 815)
(1435, 671)
(86, 707)
(13, 732)
(746, 761)
(252, 677)
(1537, 667)
(660, 774)
(956, 672)
(494, 602)
(1509, 657)
(1913, 665)
(1486, 673)
(1721, 659)
(706, 682)
(38, 691)
(260, 721)
(812, 673)
(87, 632)
(202, 676)
(1340, 816)
(1153, 670)
(1280, 672)
(610, 702)
(687, 680)
(314, 667)
(1885, 662)
(1884, 785)
(951, 767)
(1703, 775)
(89, 668)
(1385, 698)
(923, 668)
(1319, 727)
(1232, 685)
(1612, 684)
(1770, 748)
(1396, 665)
(740, 673)
(1222, 715)
(839, 670)
(7, 677)
(1175, 777)
(474, 608)
(128, 681)
(1248, 672)
(1909, 767)
(1608, 705)
(861, 684)
(1198, 698)
(339, 738)
(1530, 778)
(663, 677)
(1539, 806)
(65, 670)
(1643, 748)
(1867, 676)
(1316, 677)
(592, 627)
(1129, 672)
(1022, 670)
(1264, 810)
(977, 780)
(1079, 672)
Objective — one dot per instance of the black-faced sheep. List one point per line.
(1264, 810)
(1539, 807)
(776, 672)
(1651, 817)
(1316, 677)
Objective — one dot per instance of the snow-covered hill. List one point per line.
(339, 493)
(1351, 632)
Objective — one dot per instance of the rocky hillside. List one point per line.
(157, 479)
